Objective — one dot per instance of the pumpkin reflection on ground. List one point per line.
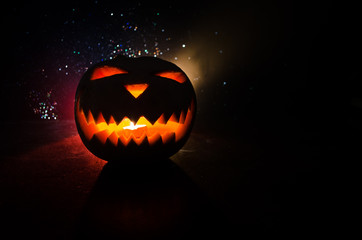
(157, 201)
(64, 191)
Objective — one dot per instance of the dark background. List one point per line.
(275, 142)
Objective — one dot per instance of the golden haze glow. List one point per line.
(190, 64)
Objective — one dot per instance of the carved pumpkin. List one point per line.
(134, 107)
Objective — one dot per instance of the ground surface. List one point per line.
(52, 187)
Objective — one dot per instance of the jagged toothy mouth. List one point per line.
(142, 130)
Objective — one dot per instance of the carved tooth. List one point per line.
(133, 117)
(173, 118)
(182, 117)
(106, 117)
(152, 140)
(102, 136)
(167, 116)
(177, 115)
(123, 139)
(152, 119)
(167, 137)
(125, 122)
(138, 140)
(132, 144)
(192, 105)
(161, 120)
(112, 121)
(91, 130)
(90, 118)
(113, 138)
(87, 129)
(126, 133)
(118, 118)
(85, 109)
(143, 121)
(139, 133)
(100, 118)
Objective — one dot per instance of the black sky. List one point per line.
(270, 63)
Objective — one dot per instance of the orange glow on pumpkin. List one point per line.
(106, 71)
(126, 131)
(177, 76)
(136, 89)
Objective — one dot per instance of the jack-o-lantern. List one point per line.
(129, 108)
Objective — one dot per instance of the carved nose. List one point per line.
(136, 89)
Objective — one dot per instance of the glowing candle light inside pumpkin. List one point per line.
(134, 127)
(107, 130)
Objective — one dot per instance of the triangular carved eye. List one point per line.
(106, 71)
(177, 76)
(136, 89)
